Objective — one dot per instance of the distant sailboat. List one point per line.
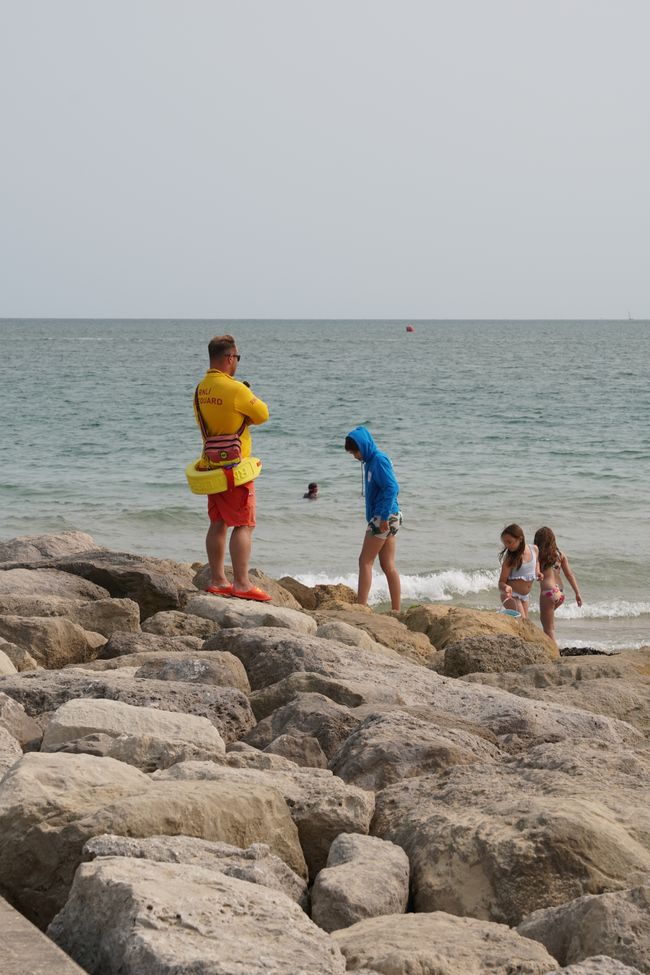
(630, 317)
(409, 328)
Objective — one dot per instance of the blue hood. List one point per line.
(365, 443)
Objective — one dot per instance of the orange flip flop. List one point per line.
(220, 590)
(254, 593)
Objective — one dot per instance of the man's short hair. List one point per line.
(220, 346)
(351, 445)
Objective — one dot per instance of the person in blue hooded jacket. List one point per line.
(382, 514)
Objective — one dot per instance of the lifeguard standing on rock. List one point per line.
(224, 409)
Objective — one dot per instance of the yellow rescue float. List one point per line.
(220, 479)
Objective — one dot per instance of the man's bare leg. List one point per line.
(215, 545)
(241, 543)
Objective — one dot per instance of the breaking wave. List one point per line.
(455, 583)
(617, 609)
(434, 587)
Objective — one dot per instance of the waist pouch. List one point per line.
(224, 449)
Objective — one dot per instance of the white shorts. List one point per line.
(394, 525)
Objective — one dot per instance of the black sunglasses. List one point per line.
(235, 355)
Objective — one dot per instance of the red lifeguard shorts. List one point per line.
(235, 507)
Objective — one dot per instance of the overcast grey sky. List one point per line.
(325, 158)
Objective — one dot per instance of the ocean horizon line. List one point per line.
(307, 320)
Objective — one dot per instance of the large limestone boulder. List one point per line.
(624, 695)
(598, 965)
(192, 667)
(615, 924)
(19, 656)
(154, 584)
(321, 805)
(146, 737)
(307, 714)
(364, 877)
(416, 944)
(107, 616)
(121, 644)
(491, 654)
(6, 664)
(313, 597)
(268, 699)
(35, 548)
(302, 750)
(10, 750)
(52, 804)
(271, 655)
(45, 691)
(241, 755)
(256, 865)
(217, 668)
(500, 841)
(280, 596)
(629, 664)
(41, 798)
(12, 604)
(228, 612)
(235, 811)
(103, 616)
(384, 629)
(304, 595)
(140, 917)
(17, 722)
(23, 581)
(173, 622)
(345, 633)
(388, 747)
(52, 642)
(449, 624)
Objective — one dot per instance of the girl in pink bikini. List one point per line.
(552, 563)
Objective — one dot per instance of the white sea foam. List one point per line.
(617, 609)
(434, 587)
(610, 647)
(456, 583)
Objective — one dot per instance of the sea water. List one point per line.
(540, 423)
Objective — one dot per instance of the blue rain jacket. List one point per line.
(381, 485)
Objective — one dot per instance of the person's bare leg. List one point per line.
(215, 546)
(369, 552)
(241, 544)
(547, 616)
(387, 563)
(522, 606)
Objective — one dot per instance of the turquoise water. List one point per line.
(486, 423)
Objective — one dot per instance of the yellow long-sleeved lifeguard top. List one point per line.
(225, 403)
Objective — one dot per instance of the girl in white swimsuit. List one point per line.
(552, 563)
(518, 569)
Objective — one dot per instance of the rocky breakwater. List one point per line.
(192, 784)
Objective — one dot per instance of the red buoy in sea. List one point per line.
(409, 328)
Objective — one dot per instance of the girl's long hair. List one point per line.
(549, 553)
(517, 557)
